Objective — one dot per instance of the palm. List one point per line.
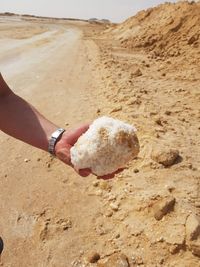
(63, 146)
(69, 138)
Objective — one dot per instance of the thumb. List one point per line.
(73, 135)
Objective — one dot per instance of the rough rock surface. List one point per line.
(193, 234)
(93, 257)
(107, 146)
(116, 260)
(163, 207)
(165, 156)
(192, 227)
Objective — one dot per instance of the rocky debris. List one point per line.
(158, 121)
(136, 73)
(108, 213)
(93, 257)
(162, 207)
(134, 225)
(49, 227)
(98, 111)
(170, 187)
(192, 227)
(194, 246)
(43, 232)
(165, 156)
(114, 206)
(65, 224)
(105, 185)
(95, 183)
(98, 192)
(116, 109)
(193, 234)
(174, 249)
(168, 112)
(115, 260)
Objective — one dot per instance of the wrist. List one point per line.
(54, 139)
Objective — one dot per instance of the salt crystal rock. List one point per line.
(107, 146)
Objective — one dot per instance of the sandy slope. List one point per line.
(51, 217)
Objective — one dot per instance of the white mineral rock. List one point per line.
(107, 146)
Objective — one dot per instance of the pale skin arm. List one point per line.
(21, 120)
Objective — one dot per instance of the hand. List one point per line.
(63, 146)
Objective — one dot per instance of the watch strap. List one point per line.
(54, 139)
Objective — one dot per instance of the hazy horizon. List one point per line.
(113, 10)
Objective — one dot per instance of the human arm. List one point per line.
(21, 120)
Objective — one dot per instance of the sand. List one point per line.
(74, 72)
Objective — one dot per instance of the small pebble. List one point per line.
(109, 213)
(136, 170)
(114, 206)
(95, 183)
(93, 257)
(165, 156)
(115, 260)
(163, 207)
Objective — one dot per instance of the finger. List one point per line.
(64, 155)
(84, 172)
(119, 170)
(76, 133)
(106, 177)
(110, 176)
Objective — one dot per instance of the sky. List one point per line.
(114, 10)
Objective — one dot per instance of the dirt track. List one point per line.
(51, 217)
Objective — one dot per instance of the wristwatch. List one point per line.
(54, 139)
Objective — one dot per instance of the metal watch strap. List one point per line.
(53, 140)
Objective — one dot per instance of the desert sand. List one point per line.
(73, 72)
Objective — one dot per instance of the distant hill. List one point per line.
(7, 14)
(39, 17)
(106, 21)
(167, 30)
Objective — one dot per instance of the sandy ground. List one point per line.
(53, 218)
